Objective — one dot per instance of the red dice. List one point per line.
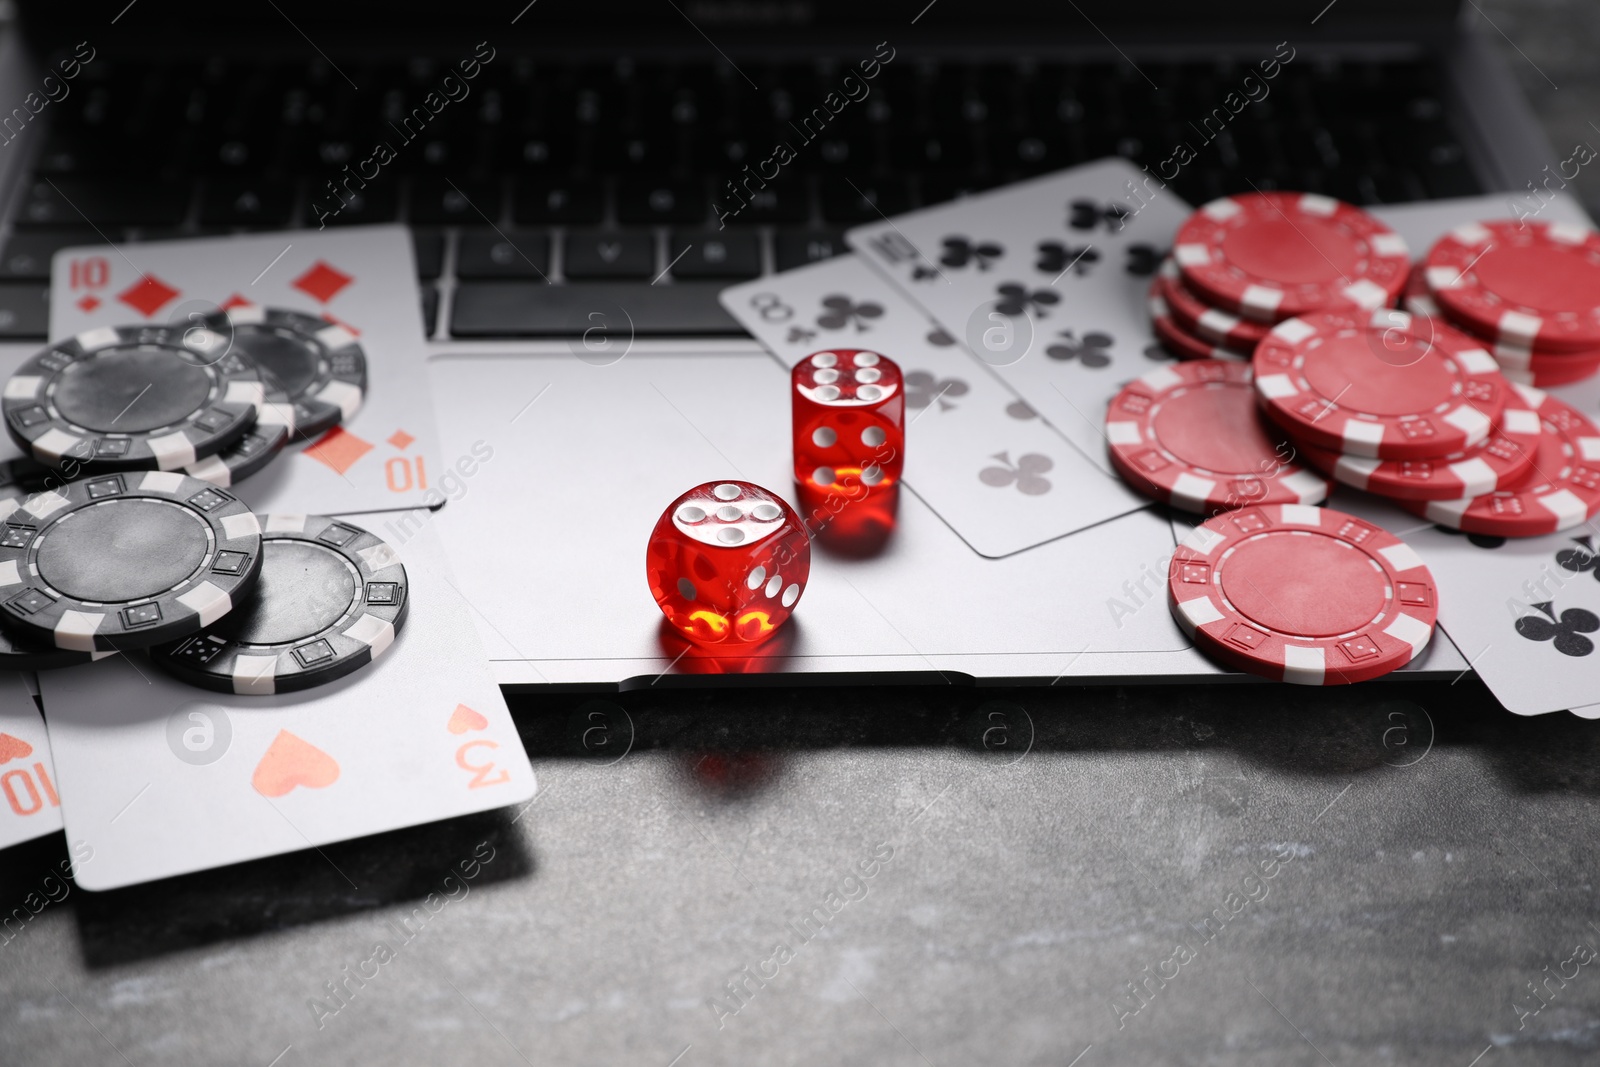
(728, 561)
(849, 422)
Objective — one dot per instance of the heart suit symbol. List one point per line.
(291, 762)
(16, 748)
(464, 719)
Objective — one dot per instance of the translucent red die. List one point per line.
(849, 421)
(727, 561)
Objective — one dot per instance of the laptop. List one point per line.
(582, 187)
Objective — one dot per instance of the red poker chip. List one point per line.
(1200, 319)
(1519, 363)
(1561, 489)
(1501, 460)
(1535, 284)
(1189, 435)
(1302, 594)
(1180, 342)
(1271, 256)
(1380, 384)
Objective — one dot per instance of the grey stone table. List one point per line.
(1399, 873)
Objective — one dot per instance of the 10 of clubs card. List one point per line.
(160, 779)
(1045, 281)
(977, 454)
(384, 453)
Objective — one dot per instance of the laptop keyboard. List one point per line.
(559, 187)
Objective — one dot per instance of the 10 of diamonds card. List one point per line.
(385, 454)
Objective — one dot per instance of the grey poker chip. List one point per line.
(330, 600)
(320, 365)
(275, 425)
(125, 560)
(132, 398)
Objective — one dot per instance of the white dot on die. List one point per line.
(866, 359)
(790, 595)
(825, 377)
(828, 392)
(823, 437)
(824, 359)
(730, 535)
(686, 589)
(873, 436)
(869, 392)
(727, 491)
(868, 376)
(773, 585)
(871, 475)
(823, 476)
(690, 513)
(757, 576)
(729, 513)
(766, 512)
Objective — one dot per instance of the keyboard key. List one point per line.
(779, 202)
(378, 202)
(862, 199)
(508, 254)
(645, 202)
(715, 254)
(557, 203)
(24, 312)
(27, 254)
(430, 309)
(246, 202)
(429, 248)
(610, 254)
(442, 200)
(116, 202)
(796, 248)
(531, 309)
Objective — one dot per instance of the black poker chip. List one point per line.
(320, 365)
(330, 600)
(132, 398)
(125, 560)
(275, 424)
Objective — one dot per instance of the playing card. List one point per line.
(976, 453)
(32, 805)
(1524, 611)
(1045, 281)
(362, 278)
(160, 778)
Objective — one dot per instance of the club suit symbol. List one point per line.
(1565, 632)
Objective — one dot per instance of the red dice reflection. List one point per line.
(727, 561)
(849, 422)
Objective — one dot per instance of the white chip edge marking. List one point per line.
(53, 444)
(1199, 611)
(1355, 470)
(1521, 422)
(1192, 492)
(247, 314)
(45, 504)
(1519, 327)
(1308, 487)
(98, 338)
(76, 630)
(343, 395)
(1261, 299)
(334, 336)
(1293, 330)
(245, 392)
(247, 524)
(161, 481)
(373, 631)
(23, 387)
(285, 522)
(9, 574)
(207, 601)
(1304, 666)
(1391, 245)
(1568, 507)
(1471, 233)
(1361, 438)
(378, 557)
(1301, 515)
(211, 469)
(1472, 422)
(255, 675)
(1476, 361)
(1401, 556)
(1161, 379)
(1276, 386)
(172, 451)
(1192, 255)
(1476, 476)
(1411, 630)
(1123, 432)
